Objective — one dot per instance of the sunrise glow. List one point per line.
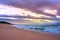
(9, 10)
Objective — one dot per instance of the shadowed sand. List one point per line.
(8, 32)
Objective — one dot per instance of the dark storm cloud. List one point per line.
(29, 4)
(32, 5)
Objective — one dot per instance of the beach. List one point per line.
(8, 32)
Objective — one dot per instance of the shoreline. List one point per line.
(8, 32)
(34, 30)
(40, 31)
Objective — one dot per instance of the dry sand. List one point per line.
(8, 32)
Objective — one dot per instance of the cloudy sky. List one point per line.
(34, 8)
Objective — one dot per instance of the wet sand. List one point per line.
(8, 32)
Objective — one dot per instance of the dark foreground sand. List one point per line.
(11, 33)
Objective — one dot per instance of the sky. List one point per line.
(49, 9)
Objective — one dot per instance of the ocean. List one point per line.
(35, 27)
(38, 28)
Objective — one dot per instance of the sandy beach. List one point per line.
(8, 32)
